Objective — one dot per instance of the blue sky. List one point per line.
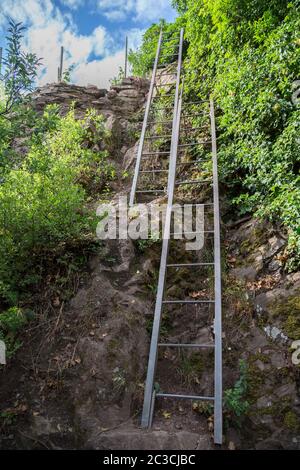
(91, 31)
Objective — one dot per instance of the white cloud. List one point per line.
(99, 72)
(116, 10)
(154, 10)
(100, 39)
(32, 11)
(115, 15)
(139, 10)
(73, 4)
(49, 28)
(46, 42)
(135, 36)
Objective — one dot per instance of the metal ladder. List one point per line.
(184, 112)
(152, 107)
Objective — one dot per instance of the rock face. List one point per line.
(257, 248)
(122, 106)
(264, 341)
(121, 100)
(86, 384)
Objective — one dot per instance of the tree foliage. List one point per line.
(20, 68)
(142, 60)
(246, 53)
(180, 5)
(42, 200)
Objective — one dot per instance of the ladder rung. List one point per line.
(196, 114)
(179, 302)
(172, 58)
(182, 345)
(193, 182)
(156, 153)
(167, 74)
(194, 128)
(187, 397)
(167, 41)
(175, 47)
(182, 265)
(199, 204)
(193, 162)
(154, 171)
(196, 102)
(151, 191)
(170, 52)
(166, 54)
(153, 137)
(162, 109)
(162, 66)
(158, 122)
(163, 85)
(193, 233)
(163, 96)
(172, 38)
(202, 142)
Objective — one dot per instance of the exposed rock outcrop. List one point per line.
(272, 299)
(84, 387)
(121, 100)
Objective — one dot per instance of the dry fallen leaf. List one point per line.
(166, 414)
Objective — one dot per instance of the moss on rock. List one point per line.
(288, 311)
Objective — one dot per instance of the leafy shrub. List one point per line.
(11, 322)
(20, 69)
(142, 60)
(246, 54)
(42, 202)
(234, 398)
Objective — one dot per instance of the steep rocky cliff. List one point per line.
(80, 383)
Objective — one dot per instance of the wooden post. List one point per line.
(126, 56)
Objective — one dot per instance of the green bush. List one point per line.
(247, 55)
(18, 71)
(43, 200)
(234, 398)
(142, 60)
(11, 322)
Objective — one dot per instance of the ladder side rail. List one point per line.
(218, 425)
(176, 100)
(142, 139)
(149, 396)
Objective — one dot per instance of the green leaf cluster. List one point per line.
(19, 68)
(246, 54)
(234, 398)
(43, 198)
